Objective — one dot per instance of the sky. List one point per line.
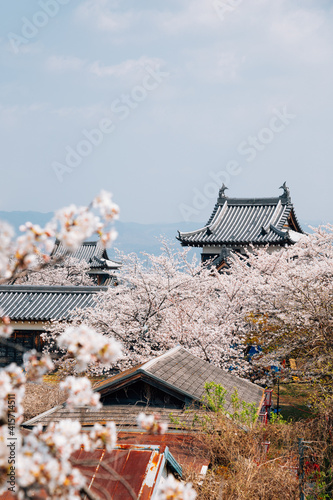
(160, 102)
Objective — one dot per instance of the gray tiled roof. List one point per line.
(189, 374)
(92, 252)
(177, 369)
(243, 221)
(43, 303)
(124, 416)
(185, 373)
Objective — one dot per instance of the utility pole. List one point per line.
(301, 468)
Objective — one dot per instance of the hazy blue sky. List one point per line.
(185, 94)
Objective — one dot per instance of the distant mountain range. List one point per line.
(132, 236)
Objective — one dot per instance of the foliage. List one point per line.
(215, 400)
(280, 300)
(291, 294)
(241, 468)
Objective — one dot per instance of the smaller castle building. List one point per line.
(101, 268)
(236, 224)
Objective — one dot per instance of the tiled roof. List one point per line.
(187, 374)
(44, 303)
(124, 416)
(92, 252)
(240, 221)
(178, 370)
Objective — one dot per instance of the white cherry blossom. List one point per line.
(36, 366)
(151, 423)
(88, 346)
(108, 209)
(171, 489)
(103, 436)
(80, 392)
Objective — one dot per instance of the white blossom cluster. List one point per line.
(104, 436)
(71, 225)
(87, 346)
(151, 423)
(108, 209)
(68, 272)
(165, 300)
(5, 329)
(43, 461)
(36, 366)
(171, 489)
(76, 225)
(6, 248)
(12, 387)
(80, 392)
(79, 223)
(44, 458)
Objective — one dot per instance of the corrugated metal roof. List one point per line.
(92, 252)
(126, 472)
(243, 221)
(188, 448)
(44, 303)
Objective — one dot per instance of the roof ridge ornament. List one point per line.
(222, 191)
(286, 192)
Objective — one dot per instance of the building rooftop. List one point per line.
(187, 375)
(126, 472)
(45, 303)
(124, 416)
(243, 221)
(177, 373)
(92, 252)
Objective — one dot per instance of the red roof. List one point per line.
(124, 473)
(127, 472)
(187, 448)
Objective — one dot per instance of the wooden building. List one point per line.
(171, 385)
(31, 310)
(236, 224)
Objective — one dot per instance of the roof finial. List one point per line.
(286, 191)
(222, 191)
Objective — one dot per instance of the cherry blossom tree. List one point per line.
(166, 300)
(68, 272)
(288, 298)
(280, 300)
(70, 225)
(43, 463)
